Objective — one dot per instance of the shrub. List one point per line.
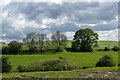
(106, 49)
(115, 48)
(105, 61)
(48, 65)
(6, 66)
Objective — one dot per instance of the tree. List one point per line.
(14, 47)
(59, 40)
(41, 40)
(85, 40)
(31, 40)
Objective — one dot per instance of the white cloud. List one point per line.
(52, 17)
(111, 35)
(59, 21)
(70, 35)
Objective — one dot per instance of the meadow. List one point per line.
(88, 59)
(82, 59)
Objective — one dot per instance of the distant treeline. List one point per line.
(84, 40)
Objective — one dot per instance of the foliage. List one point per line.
(105, 61)
(85, 40)
(59, 40)
(14, 47)
(115, 48)
(48, 65)
(107, 49)
(6, 65)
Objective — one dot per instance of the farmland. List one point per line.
(87, 59)
(81, 59)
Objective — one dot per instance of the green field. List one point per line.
(82, 59)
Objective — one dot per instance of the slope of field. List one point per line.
(82, 59)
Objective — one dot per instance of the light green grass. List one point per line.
(82, 59)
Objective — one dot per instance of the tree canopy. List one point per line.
(85, 40)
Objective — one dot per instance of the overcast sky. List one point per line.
(21, 18)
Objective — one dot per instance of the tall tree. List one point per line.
(85, 40)
(41, 40)
(31, 40)
(59, 40)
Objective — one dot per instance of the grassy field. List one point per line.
(81, 59)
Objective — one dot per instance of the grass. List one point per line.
(81, 59)
(59, 74)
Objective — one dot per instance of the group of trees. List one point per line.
(37, 41)
(84, 40)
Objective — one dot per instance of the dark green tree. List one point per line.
(85, 40)
(14, 47)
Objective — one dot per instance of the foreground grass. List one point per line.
(88, 59)
(62, 74)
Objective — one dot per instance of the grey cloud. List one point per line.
(78, 12)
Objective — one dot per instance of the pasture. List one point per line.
(82, 59)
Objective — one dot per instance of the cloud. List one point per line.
(111, 35)
(21, 18)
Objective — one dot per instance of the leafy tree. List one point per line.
(14, 47)
(59, 40)
(85, 40)
(31, 40)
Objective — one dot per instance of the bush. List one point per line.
(61, 57)
(105, 61)
(115, 48)
(106, 49)
(6, 66)
(48, 65)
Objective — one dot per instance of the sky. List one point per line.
(20, 18)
